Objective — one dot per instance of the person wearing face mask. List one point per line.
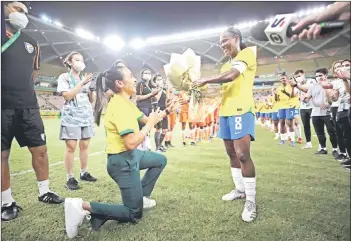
(144, 94)
(305, 107)
(124, 160)
(340, 93)
(77, 122)
(20, 114)
(162, 126)
(320, 111)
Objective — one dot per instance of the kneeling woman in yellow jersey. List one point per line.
(237, 120)
(124, 159)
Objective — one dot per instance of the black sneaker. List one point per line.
(184, 143)
(335, 153)
(9, 213)
(87, 177)
(72, 184)
(51, 198)
(341, 157)
(170, 144)
(160, 150)
(193, 143)
(346, 163)
(322, 152)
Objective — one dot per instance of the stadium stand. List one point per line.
(57, 42)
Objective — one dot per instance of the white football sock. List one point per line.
(238, 179)
(43, 187)
(83, 171)
(70, 175)
(299, 131)
(292, 135)
(6, 197)
(250, 188)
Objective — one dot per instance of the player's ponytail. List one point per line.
(100, 96)
(104, 82)
(242, 45)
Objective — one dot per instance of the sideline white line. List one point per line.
(53, 164)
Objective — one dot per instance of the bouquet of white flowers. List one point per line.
(181, 72)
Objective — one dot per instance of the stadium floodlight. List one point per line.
(46, 19)
(137, 43)
(84, 34)
(321, 9)
(114, 42)
(185, 35)
(58, 24)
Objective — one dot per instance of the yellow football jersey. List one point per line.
(238, 95)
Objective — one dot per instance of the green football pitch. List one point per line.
(300, 196)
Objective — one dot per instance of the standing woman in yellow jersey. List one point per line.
(286, 111)
(124, 159)
(275, 107)
(237, 120)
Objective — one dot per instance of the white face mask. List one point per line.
(147, 77)
(18, 20)
(79, 66)
(160, 84)
(299, 79)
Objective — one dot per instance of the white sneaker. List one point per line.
(276, 137)
(148, 203)
(74, 215)
(308, 145)
(249, 213)
(233, 195)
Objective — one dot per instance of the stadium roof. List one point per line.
(57, 41)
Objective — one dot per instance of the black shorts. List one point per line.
(163, 124)
(25, 125)
(146, 112)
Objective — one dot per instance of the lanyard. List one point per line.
(74, 82)
(10, 41)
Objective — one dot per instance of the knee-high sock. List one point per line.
(157, 139)
(162, 137)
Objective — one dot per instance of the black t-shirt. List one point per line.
(143, 89)
(162, 101)
(17, 65)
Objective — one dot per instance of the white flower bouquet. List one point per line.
(181, 72)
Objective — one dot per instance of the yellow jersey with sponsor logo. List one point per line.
(284, 100)
(237, 96)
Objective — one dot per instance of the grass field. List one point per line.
(300, 196)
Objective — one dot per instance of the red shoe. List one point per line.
(299, 141)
